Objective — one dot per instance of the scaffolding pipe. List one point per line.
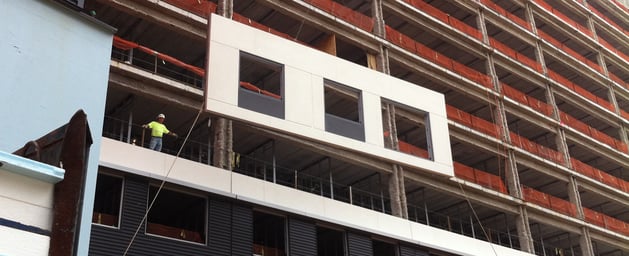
(472, 226)
(274, 166)
(351, 198)
(121, 131)
(425, 207)
(508, 231)
(129, 127)
(331, 180)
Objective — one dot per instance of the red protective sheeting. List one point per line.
(549, 38)
(443, 60)
(464, 172)
(325, 5)
(200, 8)
(467, 29)
(563, 206)
(540, 106)
(254, 88)
(458, 115)
(126, 45)
(490, 181)
(593, 217)
(392, 35)
(514, 94)
(438, 14)
(412, 150)
(609, 179)
(536, 197)
(544, 5)
(516, 140)
(584, 168)
(614, 224)
(574, 123)
(484, 126)
(502, 48)
(621, 146)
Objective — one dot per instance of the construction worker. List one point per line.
(158, 129)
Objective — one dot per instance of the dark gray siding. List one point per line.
(220, 227)
(111, 241)
(358, 245)
(410, 251)
(302, 238)
(242, 231)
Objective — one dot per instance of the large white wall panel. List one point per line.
(304, 105)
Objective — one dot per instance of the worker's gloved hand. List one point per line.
(174, 134)
(145, 126)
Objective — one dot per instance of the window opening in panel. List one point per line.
(410, 127)
(107, 200)
(177, 215)
(261, 85)
(330, 242)
(269, 234)
(343, 111)
(381, 248)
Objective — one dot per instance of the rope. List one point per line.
(161, 185)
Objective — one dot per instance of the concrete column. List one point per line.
(523, 228)
(223, 138)
(397, 190)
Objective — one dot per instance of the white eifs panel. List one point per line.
(301, 103)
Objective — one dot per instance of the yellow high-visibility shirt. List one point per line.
(158, 129)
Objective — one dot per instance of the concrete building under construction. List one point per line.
(353, 127)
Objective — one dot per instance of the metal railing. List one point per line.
(125, 131)
(156, 66)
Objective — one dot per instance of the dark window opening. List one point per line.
(107, 200)
(261, 85)
(410, 126)
(343, 111)
(381, 248)
(269, 233)
(177, 215)
(330, 242)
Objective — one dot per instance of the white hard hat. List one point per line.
(161, 116)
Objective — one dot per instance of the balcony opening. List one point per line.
(530, 136)
(261, 85)
(330, 242)
(381, 248)
(177, 215)
(549, 240)
(107, 200)
(410, 126)
(343, 111)
(269, 234)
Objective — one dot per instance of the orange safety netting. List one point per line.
(515, 55)
(338, 10)
(446, 18)
(127, 45)
(592, 132)
(254, 88)
(479, 177)
(200, 8)
(565, 18)
(599, 175)
(536, 149)
(491, 5)
(580, 90)
(548, 201)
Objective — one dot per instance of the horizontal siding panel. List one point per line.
(302, 238)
